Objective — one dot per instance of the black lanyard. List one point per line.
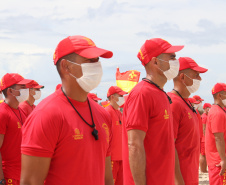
(117, 115)
(190, 106)
(221, 108)
(151, 82)
(94, 132)
(20, 119)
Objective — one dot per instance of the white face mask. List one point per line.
(200, 105)
(224, 101)
(1, 96)
(24, 94)
(197, 106)
(194, 87)
(173, 71)
(37, 95)
(92, 74)
(121, 101)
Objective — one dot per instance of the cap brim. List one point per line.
(200, 69)
(97, 98)
(122, 93)
(95, 52)
(24, 82)
(38, 87)
(173, 49)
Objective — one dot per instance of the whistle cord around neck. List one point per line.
(95, 132)
(151, 82)
(190, 106)
(221, 108)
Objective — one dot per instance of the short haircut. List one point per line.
(5, 90)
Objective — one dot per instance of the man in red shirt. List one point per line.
(216, 136)
(66, 138)
(202, 161)
(34, 94)
(186, 123)
(94, 97)
(115, 96)
(12, 119)
(148, 144)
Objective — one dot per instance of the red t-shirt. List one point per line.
(11, 123)
(200, 124)
(204, 120)
(116, 127)
(216, 122)
(55, 130)
(186, 133)
(26, 107)
(148, 109)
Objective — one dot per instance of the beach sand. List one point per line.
(203, 178)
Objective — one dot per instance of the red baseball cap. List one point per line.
(115, 90)
(188, 63)
(35, 85)
(80, 45)
(10, 79)
(219, 87)
(207, 105)
(198, 98)
(154, 47)
(93, 96)
(193, 100)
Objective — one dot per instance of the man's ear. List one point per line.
(64, 66)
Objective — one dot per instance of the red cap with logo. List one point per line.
(80, 45)
(198, 98)
(10, 79)
(189, 63)
(93, 96)
(219, 87)
(115, 90)
(206, 105)
(154, 47)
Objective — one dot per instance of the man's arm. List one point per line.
(34, 170)
(178, 176)
(1, 171)
(137, 157)
(204, 129)
(108, 172)
(220, 144)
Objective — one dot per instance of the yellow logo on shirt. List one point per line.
(19, 125)
(166, 116)
(117, 123)
(77, 135)
(10, 180)
(106, 131)
(189, 115)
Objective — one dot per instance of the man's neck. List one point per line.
(219, 102)
(74, 91)
(114, 105)
(12, 103)
(182, 90)
(30, 100)
(157, 80)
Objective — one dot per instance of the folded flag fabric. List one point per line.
(105, 103)
(127, 80)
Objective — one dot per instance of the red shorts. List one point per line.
(12, 181)
(214, 177)
(117, 171)
(202, 148)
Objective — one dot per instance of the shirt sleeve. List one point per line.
(204, 119)
(4, 119)
(40, 134)
(176, 118)
(137, 112)
(217, 123)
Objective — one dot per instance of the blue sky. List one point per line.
(30, 31)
